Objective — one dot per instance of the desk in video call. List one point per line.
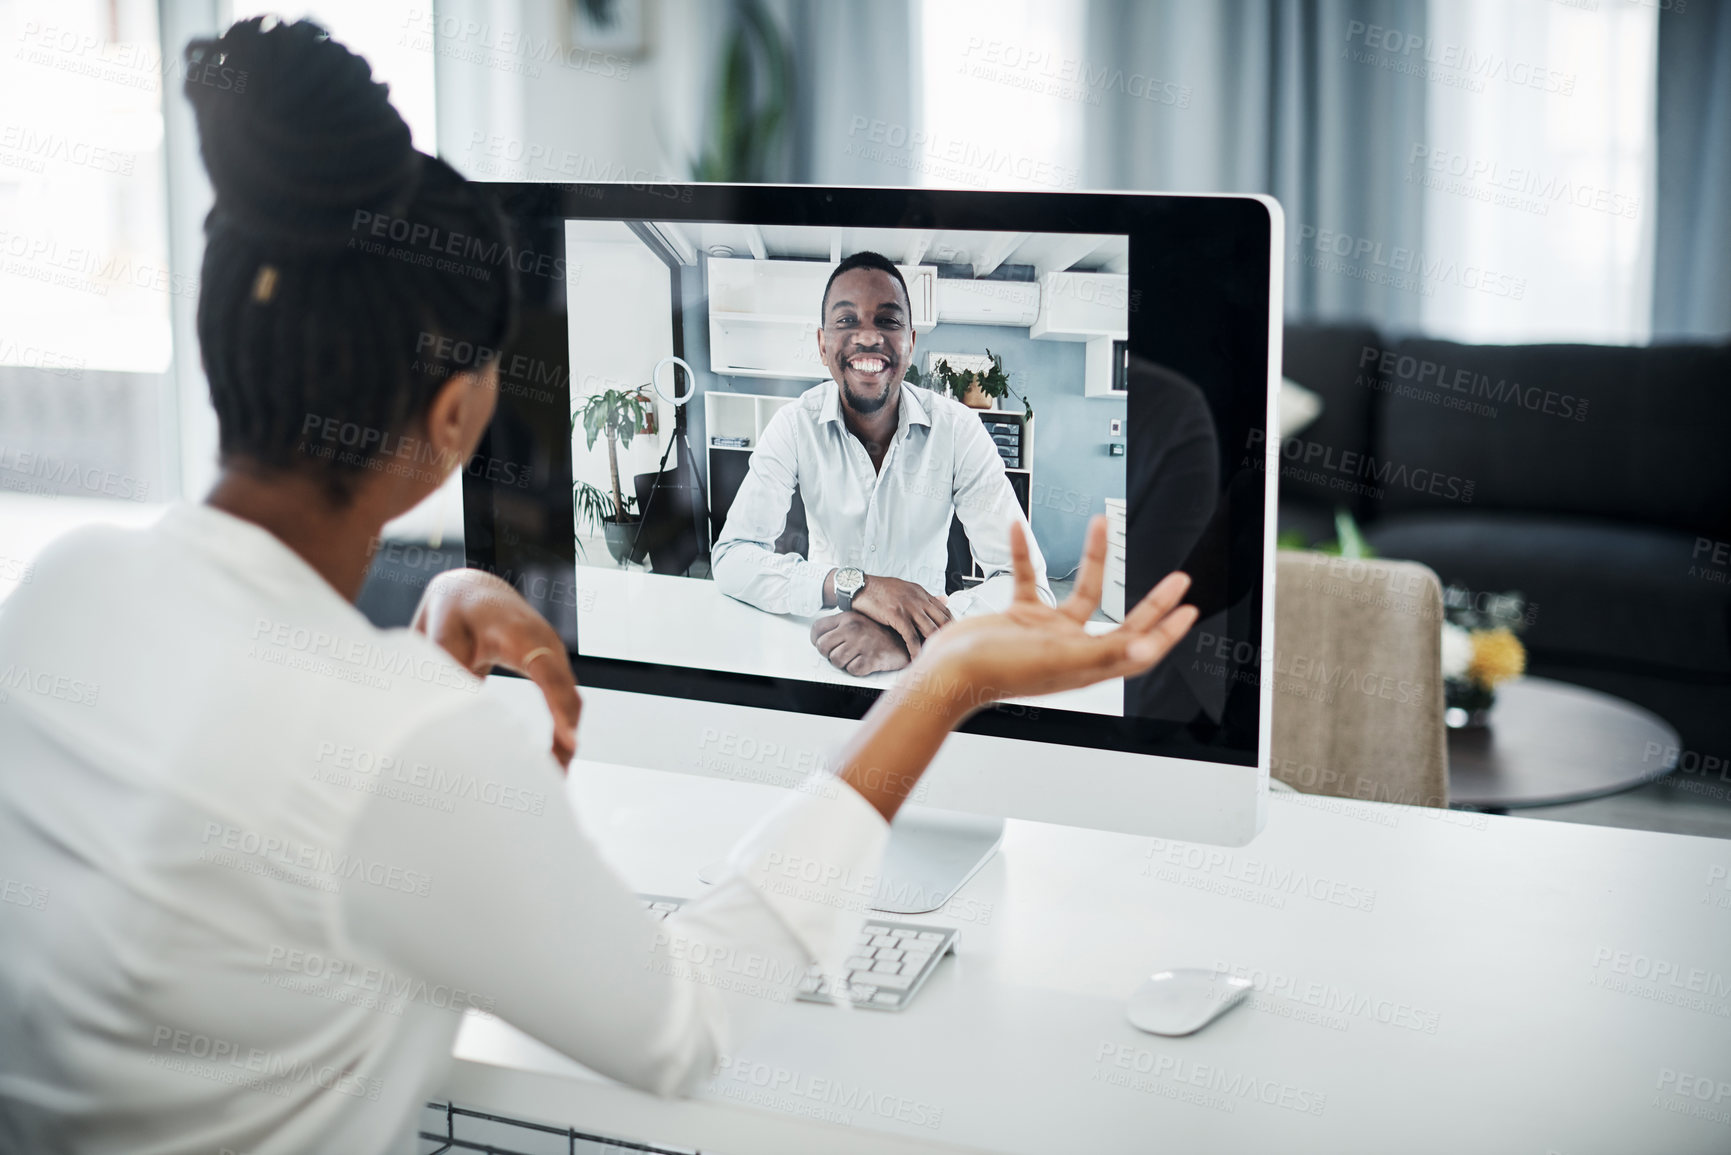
(677, 621)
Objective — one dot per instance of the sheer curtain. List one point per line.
(1475, 169)
(1538, 175)
(1692, 289)
(1273, 97)
(1004, 96)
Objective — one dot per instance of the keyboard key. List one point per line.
(886, 967)
(811, 984)
(893, 982)
(884, 940)
(887, 998)
(666, 906)
(931, 936)
(914, 962)
(874, 929)
(859, 963)
(888, 954)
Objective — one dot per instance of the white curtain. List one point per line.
(1538, 175)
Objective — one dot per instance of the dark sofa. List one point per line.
(1596, 480)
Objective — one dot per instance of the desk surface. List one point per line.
(1426, 981)
(678, 621)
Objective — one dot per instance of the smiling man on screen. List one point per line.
(882, 467)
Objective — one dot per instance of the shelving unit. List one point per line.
(1112, 588)
(1090, 307)
(1082, 306)
(1019, 470)
(732, 417)
(1103, 368)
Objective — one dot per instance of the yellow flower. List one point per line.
(1497, 657)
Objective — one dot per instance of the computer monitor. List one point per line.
(668, 363)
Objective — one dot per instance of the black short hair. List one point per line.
(346, 276)
(864, 259)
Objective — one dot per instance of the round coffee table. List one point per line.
(1550, 742)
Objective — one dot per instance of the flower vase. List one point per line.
(1467, 705)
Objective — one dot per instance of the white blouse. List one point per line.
(258, 857)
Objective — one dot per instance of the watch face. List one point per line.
(849, 579)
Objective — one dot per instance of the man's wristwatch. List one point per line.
(848, 583)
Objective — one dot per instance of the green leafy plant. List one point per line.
(749, 112)
(616, 415)
(993, 382)
(1349, 539)
(593, 506)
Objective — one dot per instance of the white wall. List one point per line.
(621, 309)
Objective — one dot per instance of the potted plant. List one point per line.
(1479, 652)
(975, 388)
(617, 415)
(595, 512)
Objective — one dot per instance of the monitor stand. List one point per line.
(931, 854)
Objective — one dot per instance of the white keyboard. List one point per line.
(890, 960)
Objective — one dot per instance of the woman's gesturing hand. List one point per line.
(1032, 648)
(482, 622)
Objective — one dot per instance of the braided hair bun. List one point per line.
(326, 319)
(305, 140)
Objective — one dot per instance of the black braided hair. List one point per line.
(346, 276)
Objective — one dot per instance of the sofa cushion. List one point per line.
(1644, 598)
(1325, 359)
(1599, 431)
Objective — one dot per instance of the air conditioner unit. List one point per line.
(988, 302)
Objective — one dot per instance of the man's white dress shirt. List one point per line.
(894, 522)
(258, 857)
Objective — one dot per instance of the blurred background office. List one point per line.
(1506, 247)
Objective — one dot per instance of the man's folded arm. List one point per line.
(744, 560)
(987, 507)
(513, 905)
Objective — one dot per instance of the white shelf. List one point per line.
(764, 315)
(1098, 371)
(1112, 587)
(1082, 306)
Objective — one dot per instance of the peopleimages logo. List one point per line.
(1363, 258)
(1118, 1064)
(1512, 186)
(800, 1094)
(1421, 372)
(1352, 471)
(1460, 65)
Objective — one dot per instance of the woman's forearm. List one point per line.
(901, 734)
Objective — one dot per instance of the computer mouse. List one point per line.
(1183, 1001)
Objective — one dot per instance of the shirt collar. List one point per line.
(912, 410)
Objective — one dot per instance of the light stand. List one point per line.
(681, 435)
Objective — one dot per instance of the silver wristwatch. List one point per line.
(848, 583)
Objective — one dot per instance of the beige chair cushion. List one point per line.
(1358, 694)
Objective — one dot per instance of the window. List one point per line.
(1003, 97)
(85, 282)
(1544, 177)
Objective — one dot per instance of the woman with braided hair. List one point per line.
(271, 853)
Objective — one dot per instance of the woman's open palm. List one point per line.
(1033, 648)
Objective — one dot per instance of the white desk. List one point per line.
(1430, 981)
(678, 621)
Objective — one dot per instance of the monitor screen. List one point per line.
(708, 437)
